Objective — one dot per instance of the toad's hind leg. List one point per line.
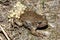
(28, 24)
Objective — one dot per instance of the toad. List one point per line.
(32, 21)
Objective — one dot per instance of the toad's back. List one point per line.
(32, 16)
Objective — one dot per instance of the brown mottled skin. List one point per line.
(32, 21)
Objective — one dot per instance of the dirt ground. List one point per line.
(49, 8)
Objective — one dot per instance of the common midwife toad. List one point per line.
(32, 21)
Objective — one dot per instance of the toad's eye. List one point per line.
(39, 22)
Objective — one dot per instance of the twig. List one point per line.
(4, 32)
